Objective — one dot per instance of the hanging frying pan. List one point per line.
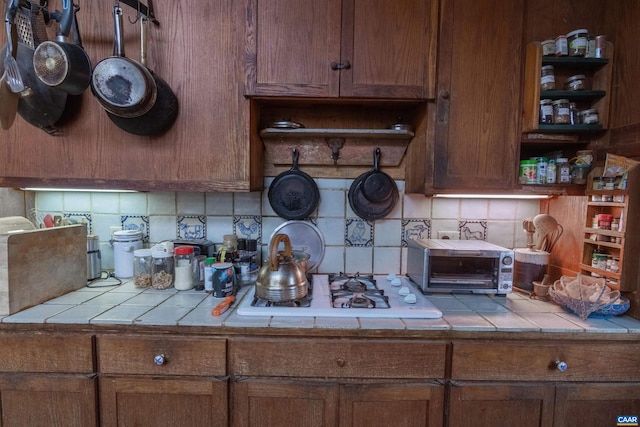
(122, 86)
(62, 64)
(294, 194)
(164, 112)
(376, 185)
(368, 209)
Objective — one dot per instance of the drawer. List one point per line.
(337, 358)
(510, 360)
(46, 353)
(161, 355)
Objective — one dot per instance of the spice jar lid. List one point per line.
(141, 253)
(560, 101)
(545, 101)
(183, 250)
(576, 32)
(547, 68)
(576, 77)
(590, 111)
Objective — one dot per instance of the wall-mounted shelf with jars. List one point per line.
(597, 74)
(610, 243)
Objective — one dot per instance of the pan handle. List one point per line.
(118, 45)
(295, 155)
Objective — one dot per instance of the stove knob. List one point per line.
(341, 362)
(410, 299)
(404, 291)
(396, 282)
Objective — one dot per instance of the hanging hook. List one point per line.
(139, 14)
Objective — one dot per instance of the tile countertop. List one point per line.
(107, 302)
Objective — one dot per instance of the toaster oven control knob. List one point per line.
(507, 260)
(561, 366)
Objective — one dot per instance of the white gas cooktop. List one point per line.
(321, 303)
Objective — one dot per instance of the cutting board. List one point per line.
(38, 265)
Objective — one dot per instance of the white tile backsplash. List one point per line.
(384, 254)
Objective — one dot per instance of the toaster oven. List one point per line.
(461, 266)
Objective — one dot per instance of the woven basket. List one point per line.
(583, 294)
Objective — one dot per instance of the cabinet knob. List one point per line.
(444, 94)
(341, 362)
(159, 359)
(561, 366)
(341, 65)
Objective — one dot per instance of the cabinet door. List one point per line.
(391, 405)
(478, 99)
(140, 401)
(492, 404)
(596, 405)
(47, 400)
(291, 45)
(261, 402)
(390, 46)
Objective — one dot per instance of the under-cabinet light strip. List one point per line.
(493, 196)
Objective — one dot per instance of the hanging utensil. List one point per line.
(121, 85)
(164, 112)
(294, 194)
(43, 106)
(14, 78)
(8, 99)
(379, 198)
(60, 63)
(377, 186)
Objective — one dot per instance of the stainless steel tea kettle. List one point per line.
(281, 278)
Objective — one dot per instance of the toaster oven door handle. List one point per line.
(467, 253)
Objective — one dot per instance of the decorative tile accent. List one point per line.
(136, 222)
(80, 218)
(249, 227)
(473, 230)
(192, 227)
(415, 229)
(358, 232)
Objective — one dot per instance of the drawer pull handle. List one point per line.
(561, 366)
(341, 362)
(159, 360)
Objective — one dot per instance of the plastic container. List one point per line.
(162, 269)
(577, 42)
(562, 48)
(183, 259)
(541, 172)
(547, 78)
(124, 243)
(142, 268)
(551, 171)
(575, 82)
(599, 260)
(528, 171)
(579, 174)
(561, 112)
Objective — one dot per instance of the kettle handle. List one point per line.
(273, 250)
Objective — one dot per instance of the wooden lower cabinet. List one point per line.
(48, 400)
(314, 403)
(135, 401)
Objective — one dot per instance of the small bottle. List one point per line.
(208, 274)
(142, 268)
(228, 252)
(551, 171)
(162, 269)
(183, 265)
(541, 172)
(574, 114)
(564, 171)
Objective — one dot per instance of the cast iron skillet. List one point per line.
(377, 186)
(294, 194)
(368, 209)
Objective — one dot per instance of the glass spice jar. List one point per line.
(142, 268)
(577, 42)
(547, 78)
(574, 114)
(546, 111)
(162, 270)
(561, 112)
(576, 82)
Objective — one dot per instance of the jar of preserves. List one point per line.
(142, 268)
(162, 269)
(228, 252)
(576, 82)
(577, 42)
(561, 112)
(183, 260)
(546, 111)
(547, 78)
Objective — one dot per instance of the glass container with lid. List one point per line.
(142, 268)
(183, 260)
(162, 269)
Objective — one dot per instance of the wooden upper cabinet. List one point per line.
(478, 101)
(197, 51)
(341, 48)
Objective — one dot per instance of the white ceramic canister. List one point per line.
(124, 242)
